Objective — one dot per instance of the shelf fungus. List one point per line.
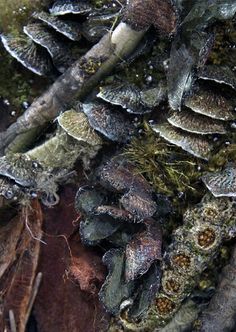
(205, 116)
(60, 51)
(40, 170)
(133, 99)
(196, 145)
(76, 125)
(192, 45)
(26, 52)
(219, 74)
(111, 123)
(61, 7)
(222, 183)
(213, 105)
(70, 29)
(191, 111)
(196, 124)
(194, 245)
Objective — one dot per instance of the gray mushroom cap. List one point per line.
(24, 50)
(68, 28)
(63, 7)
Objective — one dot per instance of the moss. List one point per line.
(15, 13)
(223, 52)
(224, 156)
(17, 84)
(169, 169)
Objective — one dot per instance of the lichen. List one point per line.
(91, 65)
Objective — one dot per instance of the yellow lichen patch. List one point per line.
(90, 66)
(210, 212)
(172, 285)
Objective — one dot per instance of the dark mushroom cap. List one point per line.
(141, 14)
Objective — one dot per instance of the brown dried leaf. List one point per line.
(18, 274)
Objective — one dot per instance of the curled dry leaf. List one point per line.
(94, 229)
(140, 204)
(87, 199)
(147, 289)
(116, 213)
